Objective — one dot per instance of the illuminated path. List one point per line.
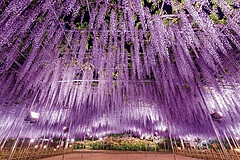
(118, 155)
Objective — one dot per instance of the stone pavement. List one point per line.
(118, 155)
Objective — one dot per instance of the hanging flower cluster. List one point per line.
(115, 66)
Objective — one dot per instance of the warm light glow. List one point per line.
(164, 128)
(70, 145)
(220, 114)
(32, 140)
(57, 146)
(45, 146)
(54, 149)
(36, 146)
(237, 150)
(35, 115)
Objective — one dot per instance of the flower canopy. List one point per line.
(111, 66)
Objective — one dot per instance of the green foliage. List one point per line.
(115, 74)
(124, 144)
(216, 19)
(175, 20)
(81, 26)
(34, 3)
(95, 84)
(44, 38)
(194, 24)
(157, 12)
(113, 1)
(116, 135)
(118, 142)
(40, 18)
(149, 37)
(78, 146)
(197, 4)
(166, 22)
(138, 25)
(214, 16)
(153, 7)
(214, 2)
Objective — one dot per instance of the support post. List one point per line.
(227, 140)
(182, 143)
(170, 136)
(156, 149)
(214, 127)
(219, 139)
(92, 144)
(234, 142)
(146, 150)
(10, 130)
(83, 146)
(15, 144)
(164, 144)
(28, 148)
(66, 146)
(48, 142)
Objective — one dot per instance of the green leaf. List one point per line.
(166, 22)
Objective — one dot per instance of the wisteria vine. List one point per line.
(115, 66)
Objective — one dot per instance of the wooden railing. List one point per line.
(208, 154)
(30, 154)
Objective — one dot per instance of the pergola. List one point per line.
(114, 66)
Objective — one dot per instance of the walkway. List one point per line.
(118, 155)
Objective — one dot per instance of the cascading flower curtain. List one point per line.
(144, 65)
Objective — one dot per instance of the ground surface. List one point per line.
(118, 155)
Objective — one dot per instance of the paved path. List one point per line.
(118, 156)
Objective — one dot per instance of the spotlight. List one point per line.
(44, 146)
(217, 116)
(237, 150)
(32, 117)
(100, 139)
(32, 140)
(65, 129)
(188, 138)
(36, 146)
